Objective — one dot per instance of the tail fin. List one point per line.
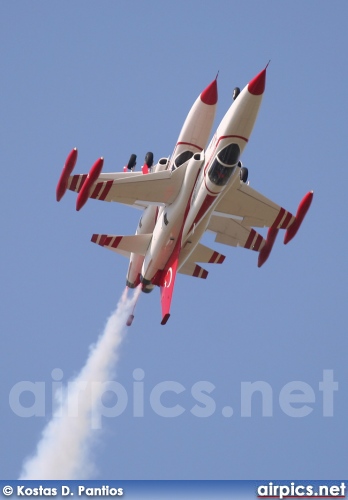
(167, 285)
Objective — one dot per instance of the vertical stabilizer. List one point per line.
(167, 284)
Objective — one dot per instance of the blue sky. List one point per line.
(115, 78)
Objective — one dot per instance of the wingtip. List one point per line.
(302, 210)
(69, 166)
(266, 250)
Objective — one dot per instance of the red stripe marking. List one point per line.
(213, 258)
(221, 259)
(204, 274)
(278, 218)
(117, 241)
(102, 239)
(204, 208)
(97, 189)
(74, 182)
(177, 248)
(196, 271)
(258, 242)
(81, 183)
(106, 190)
(179, 240)
(189, 144)
(250, 239)
(107, 241)
(211, 192)
(230, 136)
(286, 221)
(94, 238)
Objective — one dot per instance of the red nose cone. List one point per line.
(257, 85)
(210, 94)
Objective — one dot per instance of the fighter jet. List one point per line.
(198, 188)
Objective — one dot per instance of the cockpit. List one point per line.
(181, 159)
(224, 165)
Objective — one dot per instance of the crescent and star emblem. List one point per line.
(169, 276)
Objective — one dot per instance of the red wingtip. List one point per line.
(69, 165)
(266, 250)
(210, 94)
(87, 185)
(257, 84)
(300, 215)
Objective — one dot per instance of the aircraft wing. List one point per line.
(133, 188)
(205, 254)
(253, 209)
(244, 207)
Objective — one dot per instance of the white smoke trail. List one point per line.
(63, 451)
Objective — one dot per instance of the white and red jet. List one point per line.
(195, 190)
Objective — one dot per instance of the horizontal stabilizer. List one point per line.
(124, 245)
(205, 254)
(193, 269)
